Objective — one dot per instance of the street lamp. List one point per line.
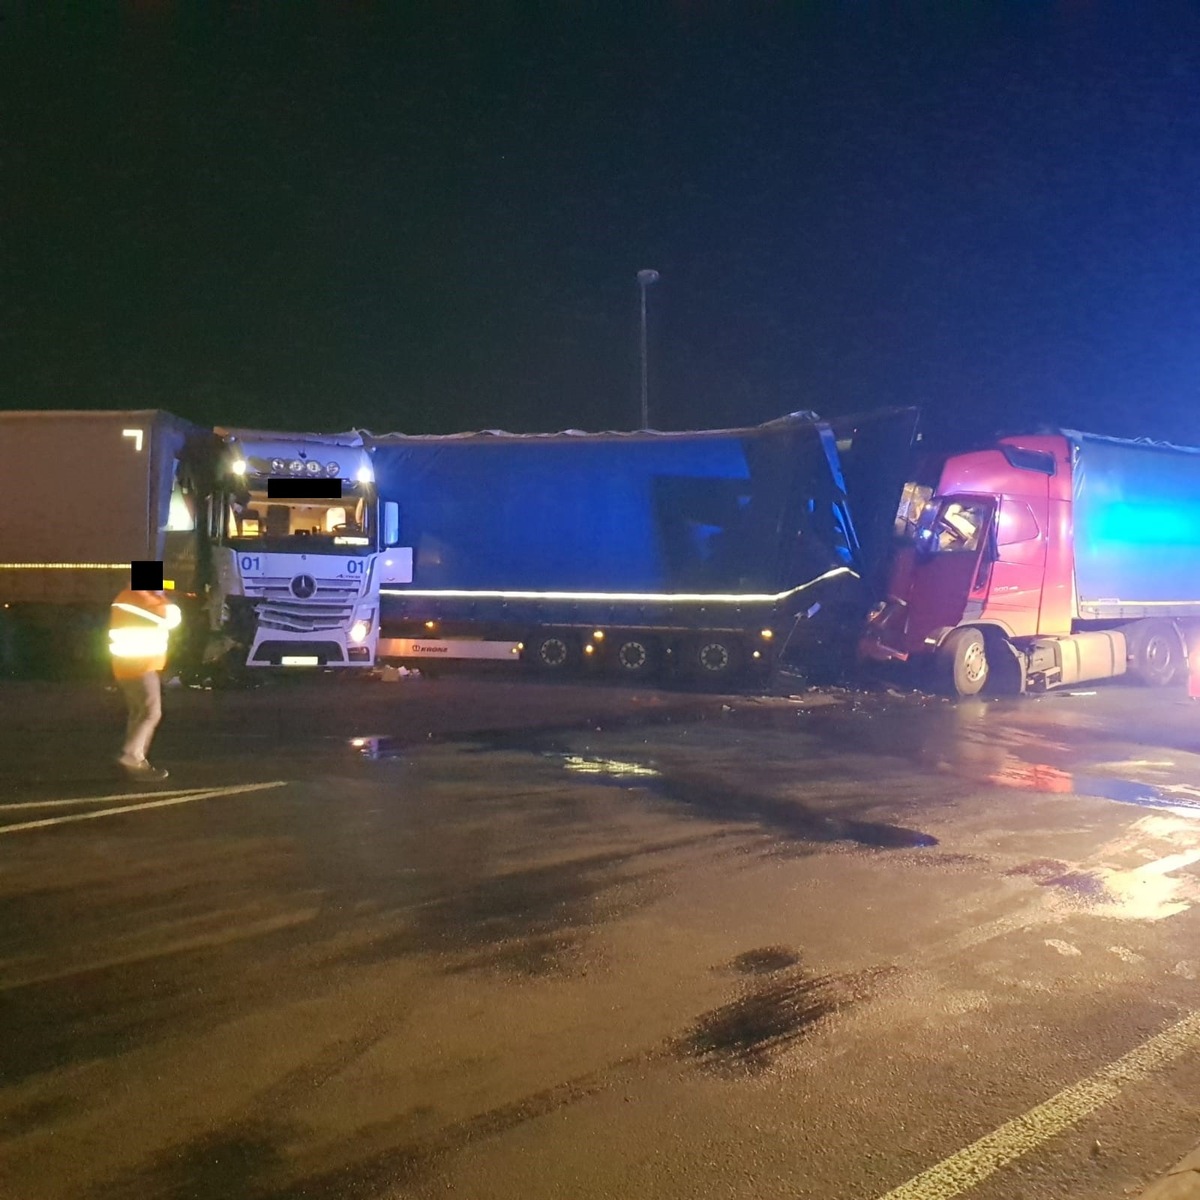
(645, 279)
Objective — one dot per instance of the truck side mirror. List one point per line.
(391, 523)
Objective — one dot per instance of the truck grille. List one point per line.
(330, 607)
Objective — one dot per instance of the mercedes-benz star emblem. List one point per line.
(303, 586)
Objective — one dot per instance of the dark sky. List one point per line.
(430, 217)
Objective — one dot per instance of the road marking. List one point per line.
(1024, 919)
(127, 808)
(972, 1165)
(1164, 866)
(99, 799)
(1063, 947)
(1125, 954)
(1184, 789)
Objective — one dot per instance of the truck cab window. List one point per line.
(953, 526)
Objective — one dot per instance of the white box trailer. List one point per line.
(82, 495)
(263, 582)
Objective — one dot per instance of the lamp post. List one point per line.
(645, 279)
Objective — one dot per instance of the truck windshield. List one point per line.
(952, 525)
(311, 526)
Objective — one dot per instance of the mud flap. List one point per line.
(1008, 668)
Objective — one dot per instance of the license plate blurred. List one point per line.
(300, 660)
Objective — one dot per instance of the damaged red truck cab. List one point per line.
(1044, 560)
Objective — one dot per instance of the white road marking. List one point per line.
(1153, 890)
(127, 808)
(1125, 763)
(158, 795)
(1163, 866)
(1063, 947)
(972, 1165)
(1183, 789)
(1125, 954)
(1023, 919)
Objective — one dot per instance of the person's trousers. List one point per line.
(143, 698)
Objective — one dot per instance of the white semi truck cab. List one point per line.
(296, 557)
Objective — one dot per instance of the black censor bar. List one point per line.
(304, 488)
(146, 575)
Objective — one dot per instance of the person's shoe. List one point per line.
(141, 769)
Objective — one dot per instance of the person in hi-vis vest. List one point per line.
(138, 632)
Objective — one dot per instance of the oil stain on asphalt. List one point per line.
(527, 922)
(234, 1160)
(746, 1035)
(1083, 887)
(765, 960)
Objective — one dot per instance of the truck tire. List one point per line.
(634, 657)
(1154, 651)
(716, 658)
(553, 653)
(963, 662)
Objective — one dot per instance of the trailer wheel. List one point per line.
(963, 662)
(634, 657)
(553, 653)
(1155, 652)
(716, 658)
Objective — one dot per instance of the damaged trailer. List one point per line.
(711, 554)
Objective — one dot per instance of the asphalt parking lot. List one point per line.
(499, 939)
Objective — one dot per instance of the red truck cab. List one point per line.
(982, 579)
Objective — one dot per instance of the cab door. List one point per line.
(954, 556)
(1014, 592)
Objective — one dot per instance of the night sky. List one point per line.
(430, 217)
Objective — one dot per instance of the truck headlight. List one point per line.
(359, 630)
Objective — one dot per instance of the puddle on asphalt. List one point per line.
(724, 801)
(1172, 797)
(1162, 845)
(1180, 799)
(610, 768)
(962, 739)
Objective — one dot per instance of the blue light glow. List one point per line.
(1137, 523)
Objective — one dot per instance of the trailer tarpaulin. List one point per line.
(1137, 524)
(750, 510)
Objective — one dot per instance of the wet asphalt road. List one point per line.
(631, 945)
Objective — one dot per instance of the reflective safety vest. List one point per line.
(138, 632)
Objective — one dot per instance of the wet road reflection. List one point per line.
(699, 792)
(848, 920)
